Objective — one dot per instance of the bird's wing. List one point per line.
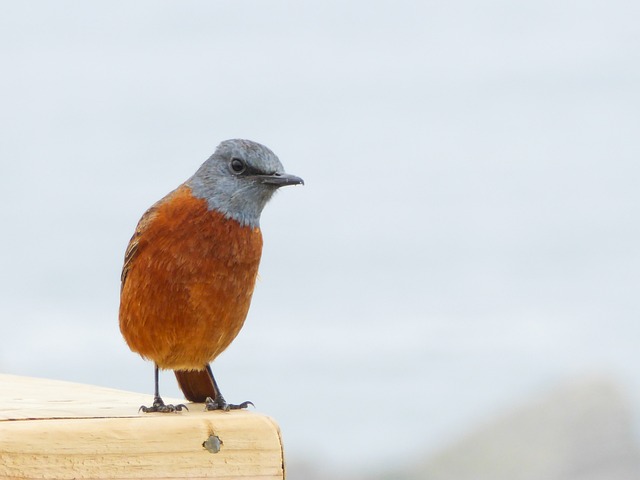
(132, 248)
(144, 222)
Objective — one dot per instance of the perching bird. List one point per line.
(191, 266)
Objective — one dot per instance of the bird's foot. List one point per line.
(160, 406)
(221, 404)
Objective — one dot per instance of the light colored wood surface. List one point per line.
(61, 430)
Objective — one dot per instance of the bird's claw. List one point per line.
(160, 406)
(221, 404)
(163, 408)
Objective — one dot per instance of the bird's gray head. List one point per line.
(239, 179)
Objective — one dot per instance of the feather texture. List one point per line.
(187, 282)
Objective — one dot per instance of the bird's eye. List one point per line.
(237, 165)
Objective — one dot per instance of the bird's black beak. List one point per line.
(280, 179)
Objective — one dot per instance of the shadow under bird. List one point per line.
(191, 267)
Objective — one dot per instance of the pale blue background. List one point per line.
(468, 234)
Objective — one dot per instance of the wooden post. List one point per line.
(60, 430)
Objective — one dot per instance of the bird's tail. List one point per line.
(196, 385)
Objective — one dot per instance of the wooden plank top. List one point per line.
(24, 398)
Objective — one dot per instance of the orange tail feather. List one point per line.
(196, 385)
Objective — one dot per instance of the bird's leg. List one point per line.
(158, 403)
(218, 402)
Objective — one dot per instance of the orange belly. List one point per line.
(189, 283)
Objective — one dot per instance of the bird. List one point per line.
(191, 265)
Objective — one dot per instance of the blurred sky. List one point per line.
(468, 232)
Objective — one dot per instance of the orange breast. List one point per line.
(188, 282)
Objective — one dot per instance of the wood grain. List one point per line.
(61, 430)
